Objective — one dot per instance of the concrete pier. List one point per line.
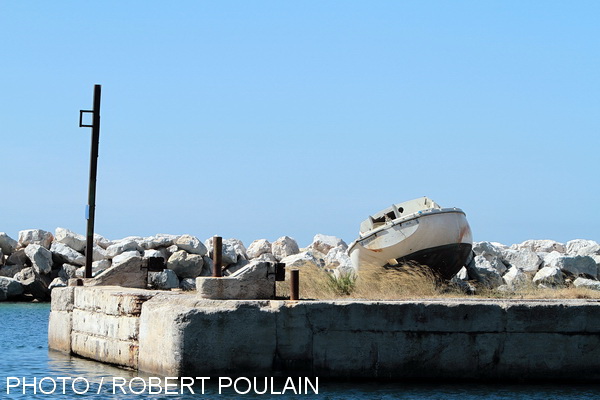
(177, 334)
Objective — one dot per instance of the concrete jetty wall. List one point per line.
(180, 334)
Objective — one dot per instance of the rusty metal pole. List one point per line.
(294, 284)
(217, 252)
(91, 206)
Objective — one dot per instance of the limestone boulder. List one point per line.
(154, 253)
(549, 277)
(266, 257)
(187, 284)
(7, 244)
(64, 254)
(73, 240)
(524, 259)
(582, 247)
(163, 280)
(587, 283)
(123, 246)
(540, 246)
(34, 283)
(126, 271)
(100, 266)
(190, 244)
(185, 265)
(324, 243)
(41, 258)
(157, 241)
(67, 271)
(10, 288)
(488, 250)
(516, 279)
(35, 236)
(18, 257)
(301, 260)
(258, 248)
(574, 265)
(232, 250)
(284, 247)
(233, 268)
(102, 241)
(99, 253)
(57, 282)
(486, 272)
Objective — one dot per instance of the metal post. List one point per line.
(294, 284)
(217, 252)
(91, 206)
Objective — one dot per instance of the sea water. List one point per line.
(24, 356)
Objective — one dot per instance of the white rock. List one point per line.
(258, 248)
(516, 278)
(9, 287)
(185, 265)
(73, 240)
(68, 271)
(99, 253)
(57, 282)
(488, 250)
(163, 280)
(7, 244)
(67, 254)
(526, 260)
(486, 272)
(100, 266)
(187, 284)
(35, 236)
(461, 275)
(153, 253)
(578, 247)
(587, 283)
(575, 265)
(191, 244)
(304, 259)
(540, 246)
(324, 243)
(284, 247)
(41, 258)
(549, 277)
(266, 257)
(232, 250)
(233, 268)
(159, 240)
(126, 271)
(338, 258)
(122, 247)
(102, 241)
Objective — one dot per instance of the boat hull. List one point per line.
(438, 238)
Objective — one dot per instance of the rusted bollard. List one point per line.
(294, 284)
(217, 252)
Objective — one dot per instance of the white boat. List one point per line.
(417, 230)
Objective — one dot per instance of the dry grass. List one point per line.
(407, 281)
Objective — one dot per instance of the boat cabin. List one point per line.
(397, 211)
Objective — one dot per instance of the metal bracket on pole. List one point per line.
(91, 206)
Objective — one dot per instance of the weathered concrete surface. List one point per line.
(181, 334)
(101, 323)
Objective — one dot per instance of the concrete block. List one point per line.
(59, 331)
(112, 300)
(62, 299)
(120, 327)
(105, 349)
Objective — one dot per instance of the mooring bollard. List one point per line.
(294, 284)
(217, 252)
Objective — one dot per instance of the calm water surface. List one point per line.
(24, 354)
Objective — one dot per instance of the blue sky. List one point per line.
(269, 118)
